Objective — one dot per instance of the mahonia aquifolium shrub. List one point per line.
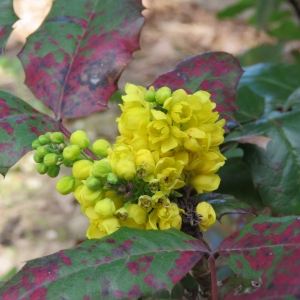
(167, 141)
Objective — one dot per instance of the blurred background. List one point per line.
(35, 220)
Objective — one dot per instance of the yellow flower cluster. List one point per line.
(167, 141)
(174, 139)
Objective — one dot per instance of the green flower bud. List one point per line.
(50, 159)
(42, 168)
(68, 163)
(121, 214)
(35, 144)
(61, 147)
(150, 95)
(80, 138)
(91, 197)
(105, 208)
(71, 152)
(112, 178)
(101, 168)
(93, 183)
(65, 185)
(42, 151)
(53, 171)
(37, 158)
(43, 139)
(81, 169)
(48, 135)
(100, 147)
(162, 94)
(78, 182)
(57, 137)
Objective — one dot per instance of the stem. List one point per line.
(296, 6)
(214, 289)
(67, 133)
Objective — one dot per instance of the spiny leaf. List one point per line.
(72, 63)
(225, 204)
(266, 251)
(215, 72)
(125, 265)
(276, 171)
(20, 124)
(7, 19)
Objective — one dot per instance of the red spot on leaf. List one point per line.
(239, 264)
(134, 267)
(149, 280)
(118, 294)
(7, 127)
(65, 259)
(134, 292)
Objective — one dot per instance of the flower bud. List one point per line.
(77, 193)
(100, 147)
(57, 137)
(145, 201)
(35, 144)
(112, 178)
(81, 169)
(50, 159)
(93, 183)
(91, 197)
(101, 168)
(53, 171)
(43, 139)
(71, 152)
(137, 213)
(125, 169)
(141, 172)
(162, 94)
(90, 213)
(207, 215)
(122, 214)
(42, 168)
(80, 138)
(154, 185)
(105, 208)
(65, 185)
(179, 95)
(68, 163)
(121, 189)
(42, 151)
(37, 158)
(150, 96)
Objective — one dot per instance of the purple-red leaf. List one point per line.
(20, 124)
(267, 251)
(74, 60)
(215, 72)
(125, 265)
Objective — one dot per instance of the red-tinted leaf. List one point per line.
(215, 72)
(74, 60)
(7, 19)
(124, 265)
(20, 124)
(225, 204)
(266, 250)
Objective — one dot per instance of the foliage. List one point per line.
(72, 65)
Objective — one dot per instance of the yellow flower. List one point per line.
(137, 213)
(204, 182)
(169, 217)
(181, 112)
(108, 225)
(81, 169)
(144, 158)
(105, 208)
(126, 169)
(159, 199)
(90, 196)
(208, 215)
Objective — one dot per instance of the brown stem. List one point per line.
(67, 133)
(214, 288)
(296, 6)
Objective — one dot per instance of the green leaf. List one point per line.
(251, 105)
(264, 9)
(234, 283)
(293, 101)
(20, 124)
(286, 31)
(224, 204)
(236, 180)
(263, 54)
(276, 171)
(74, 60)
(235, 9)
(266, 251)
(127, 264)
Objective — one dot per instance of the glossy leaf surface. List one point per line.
(7, 19)
(276, 171)
(20, 124)
(216, 72)
(266, 251)
(225, 204)
(74, 60)
(125, 265)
